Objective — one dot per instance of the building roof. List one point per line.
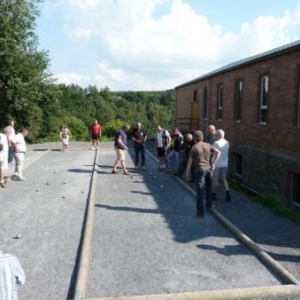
(246, 61)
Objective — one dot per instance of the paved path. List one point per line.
(145, 238)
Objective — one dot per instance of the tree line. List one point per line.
(30, 96)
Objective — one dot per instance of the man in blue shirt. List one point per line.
(120, 148)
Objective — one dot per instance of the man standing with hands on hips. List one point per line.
(139, 137)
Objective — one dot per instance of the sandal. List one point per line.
(126, 173)
(114, 172)
(3, 184)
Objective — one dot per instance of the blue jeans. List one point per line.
(174, 155)
(203, 183)
(140, 148)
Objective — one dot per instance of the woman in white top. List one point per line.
(3, 157)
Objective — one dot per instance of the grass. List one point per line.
(276, 205)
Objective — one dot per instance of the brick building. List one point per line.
(256, 101)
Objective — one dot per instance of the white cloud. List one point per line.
(139, 51)
(71, 78)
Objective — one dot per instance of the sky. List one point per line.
(154, 45)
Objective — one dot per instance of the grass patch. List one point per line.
(276, 205)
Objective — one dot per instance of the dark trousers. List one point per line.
(11, 154)
(140, 148)
(203, 184)
(182, 168)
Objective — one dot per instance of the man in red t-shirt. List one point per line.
(96, 134)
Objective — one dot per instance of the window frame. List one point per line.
(298, 108)
(238, 101)
(220, 102)
(263, 99)
(205, 103)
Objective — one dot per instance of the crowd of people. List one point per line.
(12, 147)
(204, 162)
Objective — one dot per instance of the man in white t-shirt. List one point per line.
(20, 150)
(162, 141)
(3, 157)
(220, 172)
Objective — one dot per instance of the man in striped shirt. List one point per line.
(11, 275)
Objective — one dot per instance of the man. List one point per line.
(96, 134)
(120, 148)
(220, 172)
(188, 144)
(200, 156)
(20, 148)
(139, 137)
(211, 134)
(3, 157)
(162, 141)
(178, 146)
(11, 275)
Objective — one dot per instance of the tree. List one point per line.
(23, 69)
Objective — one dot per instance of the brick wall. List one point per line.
(257, 143)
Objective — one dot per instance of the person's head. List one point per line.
(11, 123)
(8, 130)
(198, 136)
(211, 129)
(96, 122)
(138, 125)
(220, 134)
(188, 137)
(126, 127)
(24, 132)
(159, 128)
(175, 130)
(61, 127)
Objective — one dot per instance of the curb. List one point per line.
(243, 293)
(84, 258)
(258, 252)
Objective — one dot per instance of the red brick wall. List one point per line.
(280, 132)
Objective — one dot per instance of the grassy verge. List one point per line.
(276, 205)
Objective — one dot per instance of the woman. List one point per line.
(64, 136)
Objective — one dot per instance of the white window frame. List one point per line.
(220, 102)
(238, 101)
(264, 89)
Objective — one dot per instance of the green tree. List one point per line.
(23, 69)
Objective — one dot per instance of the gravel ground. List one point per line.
(145, 238)
(147, 241)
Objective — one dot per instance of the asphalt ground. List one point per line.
(145, 240)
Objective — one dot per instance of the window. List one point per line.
(238, 100)
(294, 187)
(237, 164)
(195, 95)
(205, 103)
(220, 102)
(298, 110)
(263, 99)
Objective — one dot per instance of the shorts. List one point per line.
(95, 136)
(3, 163)
(161, 151)
(219, 174)
(120, 153)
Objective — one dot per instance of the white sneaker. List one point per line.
(21, 178)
